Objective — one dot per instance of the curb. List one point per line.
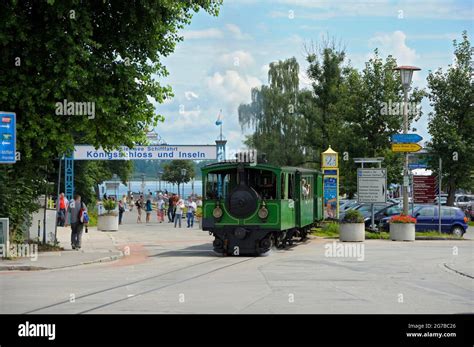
(39, 268)
(450, 267)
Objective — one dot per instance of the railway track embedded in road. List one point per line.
(144, 292)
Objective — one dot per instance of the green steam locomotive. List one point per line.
(251, 207)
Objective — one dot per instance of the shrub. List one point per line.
(109, 206)
(402, 219)
(353, 216)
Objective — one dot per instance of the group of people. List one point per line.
(171, 205)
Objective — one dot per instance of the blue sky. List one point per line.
(222, 58)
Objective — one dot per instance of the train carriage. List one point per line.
(249, 208)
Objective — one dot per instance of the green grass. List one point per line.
(328, 230)
(471, 223)
(377, 236)
(436, 234)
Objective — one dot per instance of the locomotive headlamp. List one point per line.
(217, 212)
(263, 212)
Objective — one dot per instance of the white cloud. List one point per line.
(395, 44)
(211, 33)
(190, 95)
(231, 87)
(236, 32)
(235, 60)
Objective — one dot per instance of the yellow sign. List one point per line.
(406, 147)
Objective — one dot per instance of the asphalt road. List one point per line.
(175, 271)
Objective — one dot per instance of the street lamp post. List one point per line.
(406, 74)
(183, 173)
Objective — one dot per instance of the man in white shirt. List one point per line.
(190, 214)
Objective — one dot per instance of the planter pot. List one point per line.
(402, 231)
(107, 222)
(352, 232)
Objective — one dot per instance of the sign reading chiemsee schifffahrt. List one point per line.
(7, 138)
(372, 185)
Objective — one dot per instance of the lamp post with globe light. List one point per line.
(406, 74)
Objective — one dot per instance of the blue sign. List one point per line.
(7, 137)
(406, 138)
(330, 197)
(418, 166)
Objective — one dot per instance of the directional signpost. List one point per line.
(424, 189)
(406, 138)
(372, 185)
(406, 147)
(7, 138)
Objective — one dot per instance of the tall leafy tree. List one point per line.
(274, 115)
(106, 53)
(452, 121)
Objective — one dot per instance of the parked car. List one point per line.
(453, 219)
(463, 200)
(347, 204)
(387, 211)
(366, 209)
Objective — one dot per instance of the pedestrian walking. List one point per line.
(63, 207)
(179, 212)
(121, 207)
(76, 210)
(139, 204)
(171, 208)
(132, 203)
(161, 209)
(148, 210)
(176, 198)
(190, 213)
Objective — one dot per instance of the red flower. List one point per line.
(402, 219)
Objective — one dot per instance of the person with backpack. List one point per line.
(79, 218)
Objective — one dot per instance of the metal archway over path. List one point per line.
(150, 152)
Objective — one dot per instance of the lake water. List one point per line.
(151, 186)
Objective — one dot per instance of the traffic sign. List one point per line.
(405, 147)
(424, 189)
(372, 185)
(417, 166)
(7, 137)
(406, 138)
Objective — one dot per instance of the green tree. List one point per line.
(106, 53)
(452, 121)
(172, 172)
(274, 115)
(370, 102)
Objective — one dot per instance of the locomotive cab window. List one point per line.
(226, 179)
(264, 182)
